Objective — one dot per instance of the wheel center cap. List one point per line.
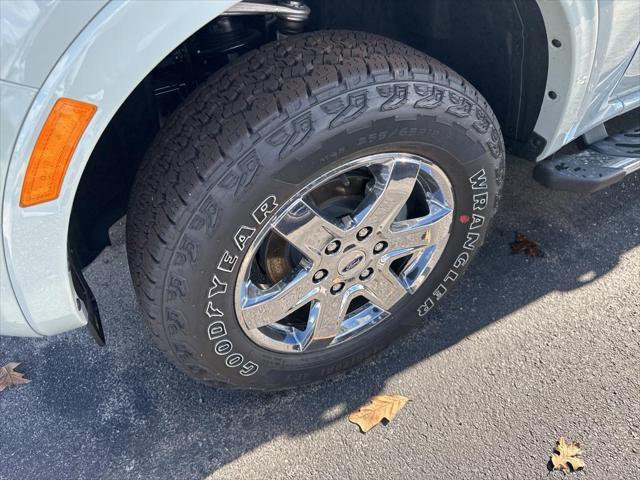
(352, 263)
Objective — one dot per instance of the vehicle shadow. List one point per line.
(124, 412)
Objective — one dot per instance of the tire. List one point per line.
(252, 136)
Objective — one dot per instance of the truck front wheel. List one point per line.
(308, 205)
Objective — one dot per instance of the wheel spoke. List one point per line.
(307, 230)
(393, 185)
(327, 315)
(269, 306)
(421, 232)
(384, 289)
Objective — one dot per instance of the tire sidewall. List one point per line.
(272, 166)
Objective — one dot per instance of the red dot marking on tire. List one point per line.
(464, 219)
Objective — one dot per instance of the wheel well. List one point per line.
(501, 50)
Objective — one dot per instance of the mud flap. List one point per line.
(86, 301)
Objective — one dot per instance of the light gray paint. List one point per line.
(14, 103)
(109, 56)
(629, 83)
(34, 33)
(599, 38)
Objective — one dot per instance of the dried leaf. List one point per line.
(378, 408)
(9, 377)
(565, 456)
(523, 244)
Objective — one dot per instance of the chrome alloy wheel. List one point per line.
(343, 251)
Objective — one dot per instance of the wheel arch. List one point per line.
(36, 238)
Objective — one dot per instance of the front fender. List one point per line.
(106, 61)
(34, 34)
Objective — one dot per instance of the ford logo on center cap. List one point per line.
(352, 264)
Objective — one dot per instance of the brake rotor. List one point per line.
(336, 199)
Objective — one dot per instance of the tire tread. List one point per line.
(231, 109)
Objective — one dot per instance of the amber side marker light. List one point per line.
(54, 148)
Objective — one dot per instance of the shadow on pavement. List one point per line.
(123, 411)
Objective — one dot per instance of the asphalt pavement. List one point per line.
(522, 351)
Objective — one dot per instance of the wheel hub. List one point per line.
(356, 248)
(352, 263)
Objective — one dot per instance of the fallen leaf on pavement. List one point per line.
(523, 244)
(378, 408)
(565, 456)
(9, 377)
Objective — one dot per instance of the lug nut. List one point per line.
(333, 247)
(379, 247)
(336, 288)
(366, 274)
(319, 275)
(363, 233)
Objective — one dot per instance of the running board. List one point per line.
(601, 165)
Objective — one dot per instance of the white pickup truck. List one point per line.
(302, 181)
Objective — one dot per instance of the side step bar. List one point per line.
(599, 166)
